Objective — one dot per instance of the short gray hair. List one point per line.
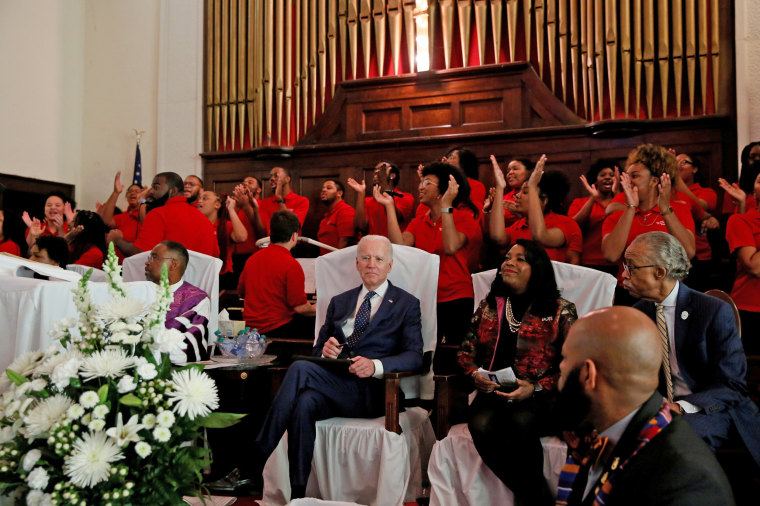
(665, 250)
(380, 238)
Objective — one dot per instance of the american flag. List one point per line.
(137, 178)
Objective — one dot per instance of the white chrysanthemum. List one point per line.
(42, 417)
(147, 371)
(168, 340)
(126, 384)
(125, 433)
(121, 308)
(38, 478)
(75, 412)
(149, 421)
(31, 458)
(117, 337)
(38, 498)
(7, 434)
(48, 365)
(131, 339)
(143, 449)
(100, 411)
(162, 434)
(193, 393)
(165, 418)
(90, 462)
(24, 365)
(65, 371)
(117, 326)
(106, 364)
(134, 327)
(97, 425)
(89, 399)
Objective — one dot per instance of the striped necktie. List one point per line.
(662, 326)
(362, 319)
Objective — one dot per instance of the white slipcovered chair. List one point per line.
(202, 271)
(457, 473)
(98, 275)
(367, 460)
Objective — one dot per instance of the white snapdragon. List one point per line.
(126, 384)
(38, 478)
(30, 459)
(147, 371)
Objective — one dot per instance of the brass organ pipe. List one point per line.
(590, 54)
(279, 66)
(332, 42)
(625, 51)
(584, 58)
(562, 33)
(540, 15)
(691, 51)
(611, 39)
(322, 52)
(342, 35)
(305, 64)
(648, 43)
(365, 15)
(464, 7)
(395, 22)
(241, 72)
(409, 30)
(225, 66)
(481, 18)
(432, 17)
(575, 57)
(703, 51)
(599, 48)
(297, 69)
(512, 27)
(217, 70)
(663, 51)
(638, 51)
(259, 44)
(677, 51)
(551, 37)
(447, 28)
(352, 19)
(288, 68)
(715, 50)
(269, 75)
(210, 37)
(527, 7)
(233, 72)
(496, 18)
(378, 15)
(313, 83)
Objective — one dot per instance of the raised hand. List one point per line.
(538, 171)
(732, 189)
(631, 192)
(489, 200)
(666, 190)
(509, 205)
(447, 199)
(358, 187)
(26, 219)
(117, 186)
(591, 189)
(383, 199)
(56, 222)
(231, 205)
(68, 212)
(616, 181)
(419, 171)
(498, 174)
(72, 233)
(36, 227)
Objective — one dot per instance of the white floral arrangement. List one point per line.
(104, 417)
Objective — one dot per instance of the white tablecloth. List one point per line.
(362, 474)
(459, 476)
(29, 307)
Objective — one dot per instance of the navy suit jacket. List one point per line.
(394, 334)
(711, 361)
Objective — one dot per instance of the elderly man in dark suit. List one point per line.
(609, 376)
(377, 327)
(704, 366)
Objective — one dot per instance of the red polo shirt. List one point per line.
(571, 230)
(129, 224)
(50, 231)
(93, 257)
(178, 221)
(293, 201)
(454, 281)
(272, 284)
(744, 230)
(730, 208)
(337, 222)
(477, 192)
(704, 252)
(11, 247)
(378, 220)
(227, 265)
(249, 245)
(592, 232)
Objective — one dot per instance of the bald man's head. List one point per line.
(616, 353)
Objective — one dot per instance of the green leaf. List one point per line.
(15, 377)
(220, 420)
(130, 400)
(103, 393)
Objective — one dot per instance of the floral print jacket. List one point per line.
(539, 342)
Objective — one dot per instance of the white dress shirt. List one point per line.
(680, 387)
(613, 435)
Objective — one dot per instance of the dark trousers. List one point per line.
(310, 393)
(750, 323)
(453, 319)
(506, 436)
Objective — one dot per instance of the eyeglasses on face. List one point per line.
(153, 257)
(630, 268)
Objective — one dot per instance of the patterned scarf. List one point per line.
(602, 492)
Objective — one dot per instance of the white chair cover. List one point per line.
(357, 459)
(458, 475)
(98, 275)
(202, 271)
(588, 289)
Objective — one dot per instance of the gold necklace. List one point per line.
(514, 323)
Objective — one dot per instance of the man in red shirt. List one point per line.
(283, 199)
(337, 227)
(247, 195)
(370, 216)
(272, 284)
(171, 218)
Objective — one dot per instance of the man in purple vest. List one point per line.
(191, 307)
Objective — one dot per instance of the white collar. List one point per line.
(380, 290)
(614, 432)
(173, 288)
(671, 299)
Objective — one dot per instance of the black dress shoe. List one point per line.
(229, 483)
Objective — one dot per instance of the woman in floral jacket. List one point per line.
(521, 324)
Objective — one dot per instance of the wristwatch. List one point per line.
(667, 211)
(537, 388)
(447, 210)
(280, 201)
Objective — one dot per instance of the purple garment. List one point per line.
(182, 316)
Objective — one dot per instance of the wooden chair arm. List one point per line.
(393, 398)
(444, 399)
